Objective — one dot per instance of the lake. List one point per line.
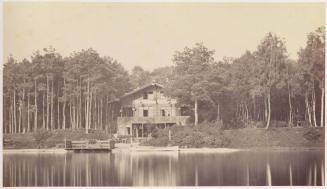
(164, 169)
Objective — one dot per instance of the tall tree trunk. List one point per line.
(112, 109)
(90, 109)
(196, 112)
(307, 105)
(43, 111)
(314, 107)
(269, 110)
(20, 118)
(290, 121)
(52, 120)
(246, 114)
(70, 115)
(85, 111)
(23, 117)
(80, 104)
(218, 113)
(28, 113)
(77, 112)
(47, 104)
(254, 110)
(95, 111)
(87, 106)
(74, 112)
(58, 109)
(15, 119)
(322, 107)
(101, 109)
(10, 117)
(106, 112)
(64, 107)
(266, 109)
(35, 104)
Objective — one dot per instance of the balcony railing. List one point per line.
(158, 119)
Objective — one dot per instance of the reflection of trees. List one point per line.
(154, 170)
(166, 169)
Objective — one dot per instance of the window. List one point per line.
(145, 96)
(163, 113)
(145, 113)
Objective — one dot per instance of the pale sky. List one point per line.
(148, 34)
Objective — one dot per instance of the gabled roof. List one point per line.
(138, 90)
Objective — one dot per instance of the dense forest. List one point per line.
(262, 89)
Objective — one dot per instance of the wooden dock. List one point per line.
(89, 145)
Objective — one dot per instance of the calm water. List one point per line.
(164, 169)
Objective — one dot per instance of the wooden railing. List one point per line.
(158, 119)
(89, 144)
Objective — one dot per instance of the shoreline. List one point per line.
(182, 150)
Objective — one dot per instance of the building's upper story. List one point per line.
(148, 101)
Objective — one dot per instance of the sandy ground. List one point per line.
(11, 151)
(135, 147)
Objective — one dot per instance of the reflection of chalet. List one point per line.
(145, 108)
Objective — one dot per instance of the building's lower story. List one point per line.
(140, 127)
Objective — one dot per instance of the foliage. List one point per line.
(40, 136)
(203, 135)
(52, 92)
(313, 135)
(55, 92)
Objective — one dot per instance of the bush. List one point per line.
(40, 136)
(156, 142)
(100, 135)
(203, 135)
(275, 123)
(312, 135)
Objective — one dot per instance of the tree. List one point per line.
(312, 60)
(139, 77)
(189, 83)
(270, 56)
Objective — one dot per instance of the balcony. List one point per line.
(126, 121)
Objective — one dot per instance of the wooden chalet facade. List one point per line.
(145, 108)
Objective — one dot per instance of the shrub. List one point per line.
(203, 135)
(156, 142)
(312, 135)
(40, 136)
(100, 135)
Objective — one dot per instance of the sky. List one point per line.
(148, 34)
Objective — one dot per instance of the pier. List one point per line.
(89, 145)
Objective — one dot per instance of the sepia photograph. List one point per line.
(136, 94)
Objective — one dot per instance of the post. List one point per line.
(169, 135)
(137, 132)
(142, 130)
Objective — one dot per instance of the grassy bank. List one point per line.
(53, 138)
(213, 137)
(190, 137)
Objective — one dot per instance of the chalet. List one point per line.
(143, 109)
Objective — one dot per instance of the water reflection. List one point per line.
(164, 169)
